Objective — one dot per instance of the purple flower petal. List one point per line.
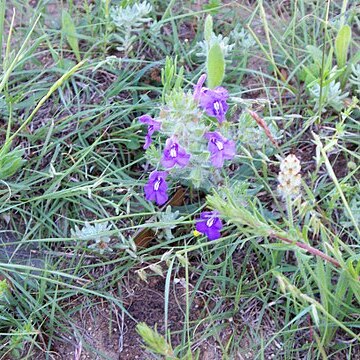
(161, 198)
(199, 87)
(174, 154)
(209, 224)
(201, 227)
(153, 126)
(220, 148)
(155, 189)
(213, 234)
(146, 119)
(148, 141)
(213, 101)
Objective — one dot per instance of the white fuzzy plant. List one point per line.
(331, 95)
(98, 238)
(238, 38)
(98, 234)
(205, 45)
(355, 77)
(129, 22)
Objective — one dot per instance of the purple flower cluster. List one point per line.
(214, 104)
(213, 101)
(174, 154)
(209, 224)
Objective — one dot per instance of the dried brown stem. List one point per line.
(263, 125)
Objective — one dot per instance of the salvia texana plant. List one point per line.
(212, 40)
(250, 134)
(196, 147)
(168, 220)
(242, 39)
(189, 139)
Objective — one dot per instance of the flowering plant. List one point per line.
(192, 152)
(190, 139)
(193, 124)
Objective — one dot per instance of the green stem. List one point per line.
(322, 70)
(289, 210)
(342, 15)
(53, 88)
(187, 315)
(2, 19)
(20, 53)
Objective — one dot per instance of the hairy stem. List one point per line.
(308, 248)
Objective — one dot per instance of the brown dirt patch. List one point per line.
(103, 331)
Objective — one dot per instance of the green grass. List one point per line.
(82, 161)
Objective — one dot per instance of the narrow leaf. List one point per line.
(342, 43)
(69, 30)
(215, 66)
(10, 162)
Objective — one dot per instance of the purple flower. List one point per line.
(155, 189)
(213, 101)
(220, 148)
(209, 224)
(153, 126)
(198, 88)
(174, 154)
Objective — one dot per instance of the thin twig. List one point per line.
(308, 248)
(261, 122)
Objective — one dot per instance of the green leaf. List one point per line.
(133, 143)
(328, 63)
(342, 43)
(208, 28)
(10, 162)
(69, 30)
(179, 79)
(309, 73)
(183, 261)
(315, 314)
(212, 5)
(215, 66)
